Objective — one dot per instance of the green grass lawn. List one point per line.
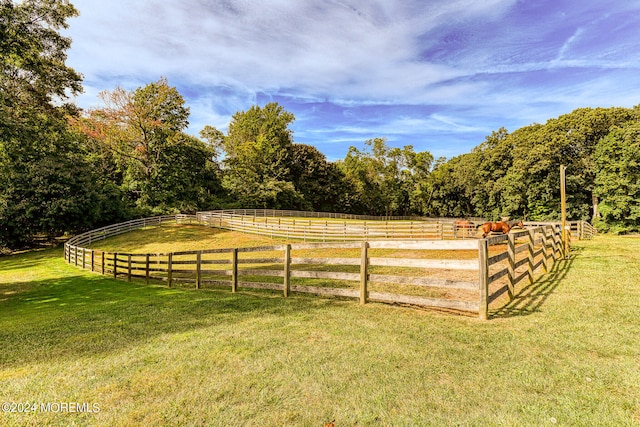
(564, 352)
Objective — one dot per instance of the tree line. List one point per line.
(63, 170)
(518, 174)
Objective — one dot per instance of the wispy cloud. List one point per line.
(449, 70)
(338, 50)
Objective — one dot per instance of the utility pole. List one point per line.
(563, 202)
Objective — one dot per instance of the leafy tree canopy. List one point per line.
(257, 158)
(46, 186)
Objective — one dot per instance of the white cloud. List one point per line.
(363, 50)
(478, 64)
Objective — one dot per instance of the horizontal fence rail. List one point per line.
(275, 213)
(325, 227)
(470, 276)
(527, 252)
(579, 230)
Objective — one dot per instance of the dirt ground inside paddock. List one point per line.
(166, 238)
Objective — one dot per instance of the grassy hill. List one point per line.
(564, 352)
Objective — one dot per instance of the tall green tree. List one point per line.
(32, 58)
(187, 178)
(257, 158)
(484, 172)
(387, 180)
(138, 139)
(448, 195)
(320, 183)
(414, 179)
(517, 174)
(617, 182)
(46, 186)
(364, 169)
(539, 150)
(136, 126)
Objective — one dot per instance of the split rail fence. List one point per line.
(579, 230)
(326, 227)
(474, 274)
(286, 224)
(275, 213)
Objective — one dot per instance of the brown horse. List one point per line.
(500, 227)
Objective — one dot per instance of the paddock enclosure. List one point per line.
(426, 263)
(326, 226)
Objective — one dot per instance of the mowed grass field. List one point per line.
(564, 352)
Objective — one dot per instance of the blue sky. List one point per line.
(439, 75)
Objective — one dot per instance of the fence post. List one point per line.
(511, 253)
(562, 242)
(170, 268)
(483, 284)
(545, 266)
(287, 270)
(146, 268)
(234, 270)
(128, 267)
(198, 269)
(530, 251)
(567, 246)
(115, 265)
(364, 261)
(580, 230)
(92, 260)
(102, 264)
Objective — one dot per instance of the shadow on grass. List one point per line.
(88, 314)
(531, 298)
(29, 259)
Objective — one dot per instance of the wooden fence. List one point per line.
(335, 229)
(124, 227)
(275, 213)
(579, 230)
(471, 275)
(527, 253)
(326, 227)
